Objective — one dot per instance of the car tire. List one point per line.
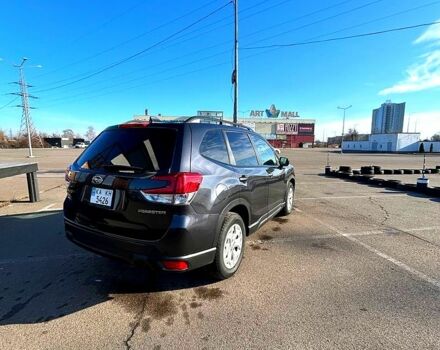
(230, 243)
(289, 199)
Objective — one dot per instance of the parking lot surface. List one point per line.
(354, 266)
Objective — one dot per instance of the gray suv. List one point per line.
(176, 195)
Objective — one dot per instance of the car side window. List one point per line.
(242, 149)
(265, 152)
(213, 146)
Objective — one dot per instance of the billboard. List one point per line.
(215, 114)
(306, 129)
(287, 129)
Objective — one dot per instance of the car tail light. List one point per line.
(133, 124)
(178, 188)
(175, 265)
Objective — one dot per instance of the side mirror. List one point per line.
(284, 161)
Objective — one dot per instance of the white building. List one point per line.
(388, 119)
(397, 142)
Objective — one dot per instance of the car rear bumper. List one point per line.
(139, 252)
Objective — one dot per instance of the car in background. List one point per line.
(80, 145)
(176, 196)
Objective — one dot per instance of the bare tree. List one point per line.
(351, 135)
(68, 133)
(90, 134)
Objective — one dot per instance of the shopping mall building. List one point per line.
(283, 129)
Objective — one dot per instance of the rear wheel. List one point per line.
(230, 246)
(289, 199)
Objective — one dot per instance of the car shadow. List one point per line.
(44, 276)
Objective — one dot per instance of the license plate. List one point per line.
(101, 196)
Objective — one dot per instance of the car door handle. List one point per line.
(243, 178)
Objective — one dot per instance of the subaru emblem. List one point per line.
(97, 180)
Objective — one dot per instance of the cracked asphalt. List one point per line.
(354, 266)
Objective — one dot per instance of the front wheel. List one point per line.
(289, 199)
(230, 246)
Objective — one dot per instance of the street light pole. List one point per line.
(235, 73)
(343, 122)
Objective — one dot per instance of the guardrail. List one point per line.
(30, 169)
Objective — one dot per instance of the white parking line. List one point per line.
(326, 183)
(46, 207)
(394, 261)
(388, 195)
(345, 234)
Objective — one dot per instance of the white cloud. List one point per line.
(425, 73)
(427, 123)
(432, 35)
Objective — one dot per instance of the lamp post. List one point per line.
(343, 122)
(235, 72)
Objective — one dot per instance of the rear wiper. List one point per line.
(123, 167)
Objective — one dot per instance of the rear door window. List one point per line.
(213, 146)
(265, 152)
(242, 149)
(131, 150)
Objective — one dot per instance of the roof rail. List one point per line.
(216, 120)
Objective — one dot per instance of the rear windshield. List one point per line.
(130, 150)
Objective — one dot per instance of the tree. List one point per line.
(68, 133)
(435, 137)
(3, 141)
(352, 135)
(90, 134)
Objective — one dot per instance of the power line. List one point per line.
(309, 14)
(246, 17)
(146, 84)
(320, 20)
(376, 20)
(10, 102)
(251, 15)
(129, 58)
(214, 55)
(175, 38)
(123, 43)
(144, 77)
(269, 49)
(106, 23)
(341, 38)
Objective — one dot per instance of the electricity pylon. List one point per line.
(26, 127)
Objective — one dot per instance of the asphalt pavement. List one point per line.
(354, 266)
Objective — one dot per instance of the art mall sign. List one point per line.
(273, 112)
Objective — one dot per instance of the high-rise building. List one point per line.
(388, 118)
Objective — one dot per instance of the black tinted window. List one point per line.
(242, 149)
(213, 146)
(143, 149)
(264, 151)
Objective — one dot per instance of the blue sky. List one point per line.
(193, 70)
